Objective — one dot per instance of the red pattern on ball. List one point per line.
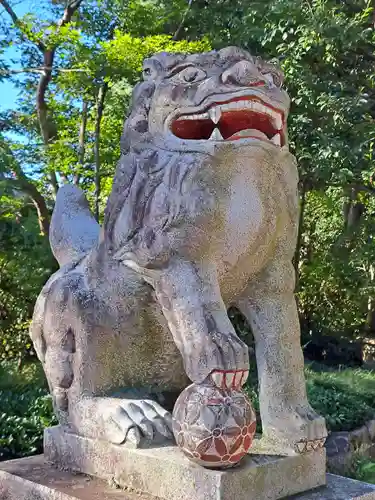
(214, 427)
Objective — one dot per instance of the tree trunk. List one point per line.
(27, 187)
(99, 113)
(81, 140)
(353, 210)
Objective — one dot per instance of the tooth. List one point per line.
(215, 114)
(217, 378)
(229, 378)
(276, 139)
(245, 375)
(216, 135)
(278, 121)
(237, 380)
(201, 116)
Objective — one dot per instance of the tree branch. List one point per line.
(18, 23)
(22, 183)
(11, 12)
(39, 70)
(81, 139)
(99, 113)
(175, 36)
(46, 123)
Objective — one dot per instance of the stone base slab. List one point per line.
(340, 488)
(33, 479)
(165, 473)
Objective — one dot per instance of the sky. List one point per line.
(8, 92)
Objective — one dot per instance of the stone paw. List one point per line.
(299, 430)
(136, 422)
(307, 430)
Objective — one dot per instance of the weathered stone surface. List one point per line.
(166, 473)
(203, 214)
(33, 479)
(360, 438)
(342, 447)
(368, 353)
(337, 443)
(340, 488)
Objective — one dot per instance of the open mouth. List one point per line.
(239, 118)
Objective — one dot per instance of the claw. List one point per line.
(133, 436)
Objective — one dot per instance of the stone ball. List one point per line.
(213, 426)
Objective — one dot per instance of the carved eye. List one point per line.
(191, 75)
(148, 73)
(274, 78)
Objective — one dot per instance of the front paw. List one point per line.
(137, 422)
(307, 430)
(297, 429)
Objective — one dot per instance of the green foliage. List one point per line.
(126, 53)
(26, 409)
(346, 398)
(335, 281)
(25, 264)
(362, 469)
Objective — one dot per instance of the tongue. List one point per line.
(249, 132)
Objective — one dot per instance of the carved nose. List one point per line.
(243, 73)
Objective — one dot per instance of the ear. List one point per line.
(234, 54)
(136, 125)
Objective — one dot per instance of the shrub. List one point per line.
(26, 410)
(363, 469)
(346, 398)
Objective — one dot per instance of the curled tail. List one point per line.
(74, 231)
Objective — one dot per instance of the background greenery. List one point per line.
(74, 64)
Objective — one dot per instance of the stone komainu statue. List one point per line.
(202, 215)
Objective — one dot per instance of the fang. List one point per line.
(276, 139)
(216, 135)
(215, 114)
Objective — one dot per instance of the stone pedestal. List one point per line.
(166, 473)
(33, 479)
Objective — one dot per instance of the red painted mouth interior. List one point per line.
(230, 124)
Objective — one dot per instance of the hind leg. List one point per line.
(91, 351)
